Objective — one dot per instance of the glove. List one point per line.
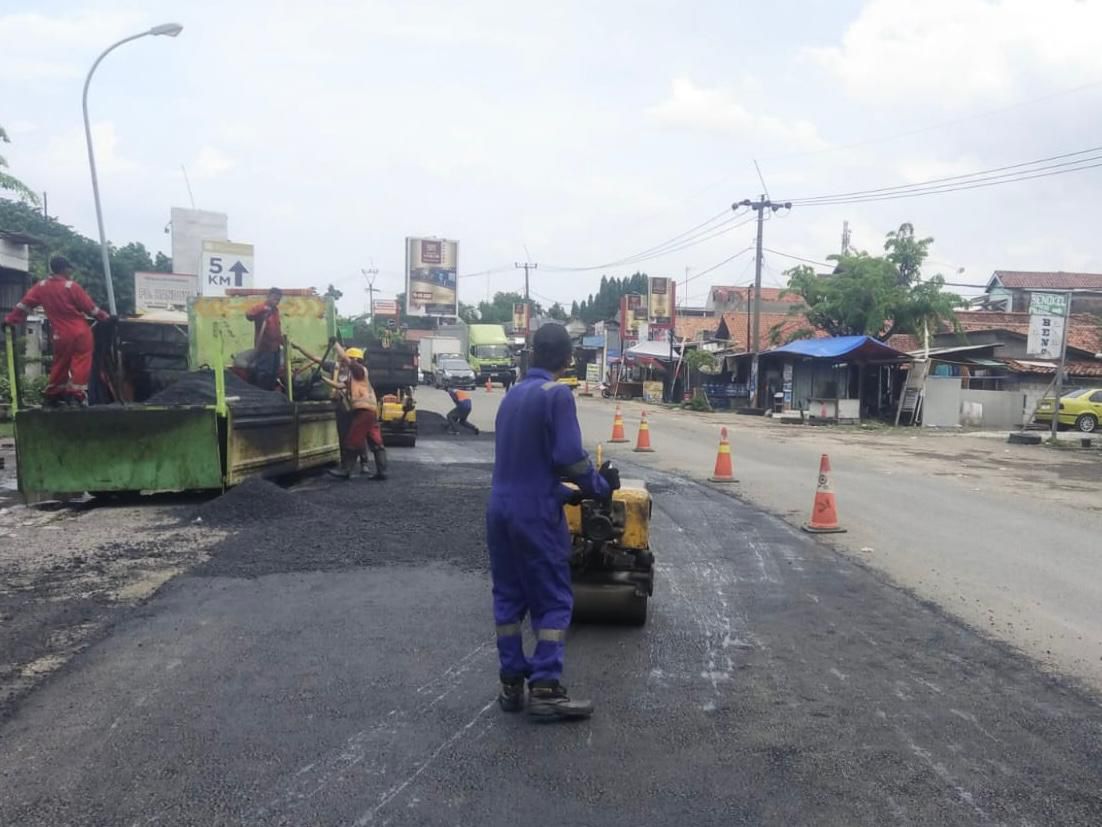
(611, 475)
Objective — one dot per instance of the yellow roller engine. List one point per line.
(611, 563)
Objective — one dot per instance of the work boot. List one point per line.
(344, 470)
(380, 464)
(548, 701)
(511, 698)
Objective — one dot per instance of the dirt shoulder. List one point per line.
(66, 575)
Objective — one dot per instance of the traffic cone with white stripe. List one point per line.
(724, 471)
(824, 513)
(642, 442)
(618, 426)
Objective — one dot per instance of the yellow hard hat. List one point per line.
(355, 353)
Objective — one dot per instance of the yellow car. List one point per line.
(1081, 407)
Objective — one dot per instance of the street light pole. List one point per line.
(170, 29)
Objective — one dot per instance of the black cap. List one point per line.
(552, 347)
(59, 265)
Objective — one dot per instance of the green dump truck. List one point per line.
(488, 352)
(224, 434)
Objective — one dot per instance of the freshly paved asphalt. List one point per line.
(295, 679)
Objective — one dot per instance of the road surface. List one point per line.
(1005, 537)
(332, 662)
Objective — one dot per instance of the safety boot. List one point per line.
(380, 464)
(344, 470)
(548, 702)
(511, 697)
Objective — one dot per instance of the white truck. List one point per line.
(432, 348)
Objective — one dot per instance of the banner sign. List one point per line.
(431, 283)
(660, 302)
(163, 291)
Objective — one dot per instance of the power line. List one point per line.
(1019, 171)
(705, 231)
(797, 258)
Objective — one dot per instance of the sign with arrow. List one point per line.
(225, 264)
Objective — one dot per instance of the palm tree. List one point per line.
(10, 182)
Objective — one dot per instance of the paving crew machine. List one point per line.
(611, 564)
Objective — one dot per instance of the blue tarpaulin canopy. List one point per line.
(849, 348)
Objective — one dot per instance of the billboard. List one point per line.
(660, 301)
(520, 317)
(163, 291)
(190, 228)
(431, 285)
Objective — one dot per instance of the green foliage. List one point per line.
(875, 295)
(605, 304)
(32, 389)
(701, 360)
(500, 310)
(10, 182)
(699, 402)
(332, 292)
(557, 312)
(83, 252)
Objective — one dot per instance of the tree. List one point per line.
(82, 252)
(332, 292)
(10, 182)
(606, 303)
(557, 312)
(907, 253)
(876, 295)
(500, 310)
(468, 313)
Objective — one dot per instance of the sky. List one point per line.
(574, 134)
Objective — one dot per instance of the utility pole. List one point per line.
(759, 206)
(526, 266)
(370, 274)
(845, 238)
(1059, 387)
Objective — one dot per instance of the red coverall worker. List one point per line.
(68, 307)
(267, 339)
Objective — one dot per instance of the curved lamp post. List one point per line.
(170, 29)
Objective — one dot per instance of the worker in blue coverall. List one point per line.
(538, 446)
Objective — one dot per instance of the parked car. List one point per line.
(453, 373)
(1080, 407)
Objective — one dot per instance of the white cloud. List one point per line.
(211, 162)
(68, 152)
(962, 52)
(37, 47)
(720, 110)
(916, 170)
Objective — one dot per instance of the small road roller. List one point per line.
(611, 563)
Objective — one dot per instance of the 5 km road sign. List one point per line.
(225, 264)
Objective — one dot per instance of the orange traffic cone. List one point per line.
(824, 514)
(618, 426)
(489, 387)
(724, 472)
(585, 389)
(642, 443)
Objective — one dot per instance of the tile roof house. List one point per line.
(731, 299)
(1009, 290)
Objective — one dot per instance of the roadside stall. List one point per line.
(836, 379)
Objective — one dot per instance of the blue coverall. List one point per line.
(538, 444)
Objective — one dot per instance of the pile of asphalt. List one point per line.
(422, 514)
(431, 425)
(197, 388)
